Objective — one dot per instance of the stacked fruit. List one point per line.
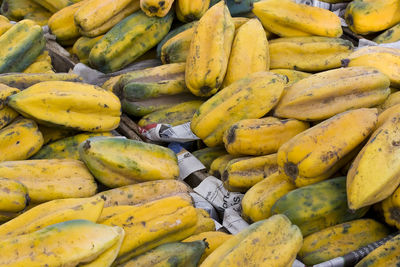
(311, 145)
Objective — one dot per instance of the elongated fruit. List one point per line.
(391, 35)
(20, 140)
(7, 114)
(83, 46)
(261, 136)
(391, 209)
(328, 93)
(315, 154)
(118, 161)
(209, 51)
(287, 18)
(74, 105)
(366, 182)
(53, 212)
(249, 98)
(312, 54)
(155, 7)
(271, 242)
(66, 244)
(259, 199)
(13, 195)
(51, 179)
(338, 240)
(190, 10)
(208, 155)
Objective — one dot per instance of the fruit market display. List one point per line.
(203, 133)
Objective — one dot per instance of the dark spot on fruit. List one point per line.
(291, 170)
(153, 9)
(345, 62)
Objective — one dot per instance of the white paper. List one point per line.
(201, 203)
(188, 164)
(213, 191)
(365, 42)
(233, 222)
(297, 263)
(88, 74)
(166, 133)
(217, 225)
(336, 262)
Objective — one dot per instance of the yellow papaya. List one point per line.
(156, 7)
(190, 10)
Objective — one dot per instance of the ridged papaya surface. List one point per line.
(119, 161)
(143, 192)
(5, 24)
(20, 140)
(53, 212)
(54, 5)
(378, 158)
(289, 19)
(293, 75)
(7, 114)
(25, 80)
(18, 9)
(261, 136)
(271, 242)
(97, 17)
(153, 224)
(174, 116)
(391, 209)
(317, 153)
(13, 195)
(385, 59)
(241, 174)
(328, 93)
(128, 40)
(176, 49)
(367, 16)
(42, 64)
(83, 46)
(39, 16)
(389, 36)
(62, 23)
(51, 134)
(66, 148)
(71, 243)
(79, 106)
(247, 57)
(218, 165)
(159, 8)
(209, 51)
(249, 98)
(386, 255)
(190, 10)
(208, 155)
(51, 179)
(313, 53)
(259, 199)
(338, 240)
(317, 206)
(20, 46)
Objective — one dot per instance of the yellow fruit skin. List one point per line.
(393, 99)
(73, 105)
(391, 209)
(259, 137)
(7, 114)
(214, 239)
(259, 199)
(389, 36)
(385, 59)
(386, 255)
(13, 195)
(293, 75)
(53, 212)
(175, 115)
(62, 23)
(18, 9)
(54, 5)
(5, 24)
(177, 48)
(117, 161)
(25, 80)
(363, 188)
(162, 80)
(218, 165)
(249, 98)
(51, 134)
(156, 7)
(153, 224)
(208, 155)
(42, 64)
(387, 114)
(39, 16)
(241, 174)
(338, 240)
(66, 148)
(83, 46)
(367, 16)
(190, 10)
(142, 193)
(309, 155)
(271, 242)
(204, 222)
(51, 179)
(328, 93)
(209, 51)
(247, 57)
(96, 17)
(20, 140)
(65, 244)
(310, 54)
(287, 18)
